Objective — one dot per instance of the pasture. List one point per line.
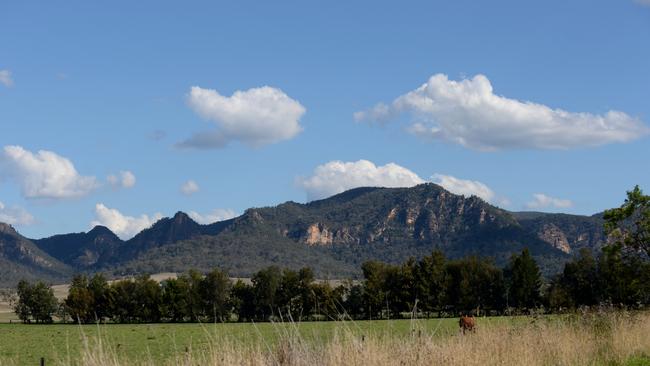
(606, 339)
(25, 344)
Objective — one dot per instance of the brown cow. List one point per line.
(467, 323)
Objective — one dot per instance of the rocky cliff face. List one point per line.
(318, 234)
(553, 235)
(569, 233)
(430, 214)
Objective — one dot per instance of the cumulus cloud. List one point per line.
(464, 187)
(44, 174)
(125, 179)
(338, 176)
(5, 78)
(255, 117)
(468, 113)
(218, 214)
(190, 187)
(15, 215)
(123, 226)
(542, 201)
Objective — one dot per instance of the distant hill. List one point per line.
(335, 235)
(83, 250)
(569, 233)
(21, 258)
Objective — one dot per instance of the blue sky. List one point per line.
(107, 88)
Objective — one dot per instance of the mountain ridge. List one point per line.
(334, 235)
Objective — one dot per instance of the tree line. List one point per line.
(431, 286)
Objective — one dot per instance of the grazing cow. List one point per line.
(467, 323)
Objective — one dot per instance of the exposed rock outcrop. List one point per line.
(554, 236)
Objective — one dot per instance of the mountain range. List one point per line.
(333, 236)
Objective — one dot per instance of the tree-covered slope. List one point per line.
(83, 250)
(569, 233)
(21, 258)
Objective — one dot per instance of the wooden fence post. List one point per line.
(42, 361)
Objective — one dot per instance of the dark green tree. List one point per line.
(80, 302)
(524, 281)
(35, 302)
(325, 298)
(22, 306)
(266, 283)
(580, 280)
(305, 281)
(353, 300)
(288, 299)
(214, 290)
(399, 288)
(175, 292)
(406, 291)
(45, 303)
(629, 225)
(430, 279)
(148, 300)
(194, 303)
(474, 284)
(623, 276)
(374, 295)
(100, 291)
(242, 298)
(558, 296)
(124, 303)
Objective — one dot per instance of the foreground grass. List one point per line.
(610, 339)
(159, 343)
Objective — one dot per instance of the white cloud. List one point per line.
(189, 187)
(542, 201)
(123, 226)
(218, 214)
(468, 113)
(44, 174)
(125, 179)
(643, 2)
(338, 176)
(380, 113)
(255, 117)
(5, 78)
(464, 187)
(15, 215)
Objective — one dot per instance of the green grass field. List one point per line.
(27, 343)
